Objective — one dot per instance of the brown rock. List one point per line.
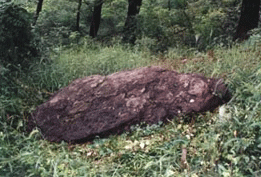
(104, 105)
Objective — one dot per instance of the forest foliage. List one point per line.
(185, 35)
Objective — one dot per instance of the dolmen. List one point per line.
(103, 105)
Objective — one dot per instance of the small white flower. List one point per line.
(188, 137)
(223, 113)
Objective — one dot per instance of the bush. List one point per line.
(16, 48)
(201, 24)
(18, 51)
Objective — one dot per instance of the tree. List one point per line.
(96, 18)
(78, 15)
(38, 10)
(131, 22)
(248, 19)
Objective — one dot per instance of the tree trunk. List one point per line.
(78, 16)
(131, 22)
(96, 18)
(248, 19)
(169, 4)
(38, 10)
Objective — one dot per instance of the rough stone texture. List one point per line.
(104, 105)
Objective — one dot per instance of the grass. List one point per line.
(69, 63)
(226, 142)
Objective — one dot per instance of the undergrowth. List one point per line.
(226, 142)
(88, 58)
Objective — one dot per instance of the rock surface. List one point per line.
(104, 105)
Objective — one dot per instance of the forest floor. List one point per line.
(226, 142)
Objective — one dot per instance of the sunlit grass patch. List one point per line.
(84, 61)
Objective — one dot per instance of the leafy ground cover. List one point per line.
(226, 142)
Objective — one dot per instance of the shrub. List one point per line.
(16, 48)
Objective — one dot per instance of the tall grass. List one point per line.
(223, 143)
(88, 58)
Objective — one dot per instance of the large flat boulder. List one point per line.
(103, 105)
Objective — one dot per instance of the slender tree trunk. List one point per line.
(96, 18)
(169, 4)
(38, 10)
(248, 19)
(131, 22)
(78, 16)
